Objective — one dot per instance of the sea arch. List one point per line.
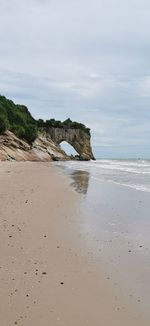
(77, 138)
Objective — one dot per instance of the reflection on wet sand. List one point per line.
(80, 181)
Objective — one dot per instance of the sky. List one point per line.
(84, 59)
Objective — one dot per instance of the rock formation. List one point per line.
(31, 139)
(78, 138)
(46, 147)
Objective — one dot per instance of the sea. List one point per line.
(129, 173)
(113, 219)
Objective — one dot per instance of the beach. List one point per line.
(47, 274)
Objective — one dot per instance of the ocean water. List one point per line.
(129, 173)
(113, 221)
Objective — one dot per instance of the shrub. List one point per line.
(3, 123)
(40, 123)
(19, 131)
(30, 133)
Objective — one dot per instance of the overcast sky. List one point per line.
(84, 59)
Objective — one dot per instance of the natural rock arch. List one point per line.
(69, 149)
(77, 138)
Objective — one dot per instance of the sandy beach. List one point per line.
(44, 278)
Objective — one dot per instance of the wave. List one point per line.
(134, 174)
(141, 167)
(129, 185)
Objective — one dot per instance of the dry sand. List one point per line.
(44, 279)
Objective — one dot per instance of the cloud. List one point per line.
(88, 60)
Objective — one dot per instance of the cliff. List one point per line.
(78, 138)
(46, 146)
(22, 138)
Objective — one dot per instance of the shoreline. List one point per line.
(45, 279)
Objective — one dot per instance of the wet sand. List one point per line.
(45, 279)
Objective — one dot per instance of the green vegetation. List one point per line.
(67, 124)
(3, 123)
(18, 119)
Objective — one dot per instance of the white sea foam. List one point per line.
(129, 185)
(129, 173)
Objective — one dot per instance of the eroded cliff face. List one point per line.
(78, 138)
(46, 147)
(43, 149)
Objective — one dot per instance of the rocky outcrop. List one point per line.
(43, 149)
(46, 147)
(78, 138)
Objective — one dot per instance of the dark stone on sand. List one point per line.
(62, 283)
